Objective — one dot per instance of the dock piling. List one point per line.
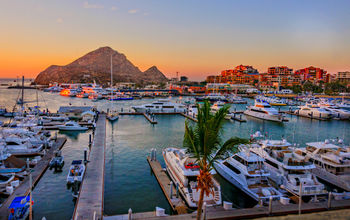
(85, 155)
(270, 205)
(129, 214)
(300, 197)
(204, 211)
(90, 140)
(329, 200)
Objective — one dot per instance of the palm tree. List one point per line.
(204, 141)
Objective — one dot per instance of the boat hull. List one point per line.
(263, 116)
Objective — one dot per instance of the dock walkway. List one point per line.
(38, 171)
(177, 204)
(90, 201)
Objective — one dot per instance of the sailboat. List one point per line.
(112, 115)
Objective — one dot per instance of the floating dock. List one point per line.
(38, 171)
(89, 204)
(177, 204)
(189, 117)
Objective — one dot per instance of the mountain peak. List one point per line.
(95, 65)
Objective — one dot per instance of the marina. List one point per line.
(132, 132)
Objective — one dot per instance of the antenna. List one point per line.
(177, 76)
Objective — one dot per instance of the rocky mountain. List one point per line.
(96, 66)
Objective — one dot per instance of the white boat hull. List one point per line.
(276, 118)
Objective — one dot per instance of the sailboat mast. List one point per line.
(111, 77)
(22, 91)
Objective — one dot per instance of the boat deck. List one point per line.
(89, 204)
(38, 171)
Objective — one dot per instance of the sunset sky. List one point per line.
(194, 37)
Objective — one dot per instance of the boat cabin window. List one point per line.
(271, 164)
(298, 172)
(239, 159)
(168, 106)
(149, 106)
(234, 169)
(12, 143)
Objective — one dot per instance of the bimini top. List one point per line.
(77, 162)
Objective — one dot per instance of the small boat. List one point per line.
(57, 162)
(5, 179)
(72, 126)
(76, 171)
(19, 208)
(183, 170)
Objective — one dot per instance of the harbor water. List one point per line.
(129, 182)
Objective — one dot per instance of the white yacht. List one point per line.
(76, 171)
(162, 105)
(72, 126)
(273, 100)
(332, 162)
(263, 110)
(217, 106)
(247, 172)
(339, 113)
(235, 99)
(17, 146)
(286, 170)
(313, 111)
(184, 171)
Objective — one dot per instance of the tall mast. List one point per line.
(111, 77)
(22, 91)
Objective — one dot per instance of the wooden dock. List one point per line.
(250, 213)
(177, 204)
(150, 118)
(90, 201)
(38, 171)
(238, 118)
(189, 117)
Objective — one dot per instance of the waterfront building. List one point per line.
(343, 77)
(280, 76)
(313, 74)
(226, 87)
(241, 74)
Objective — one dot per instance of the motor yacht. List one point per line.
(246, 171)
(263, 110)
(273, 100)
(183, 170)
(311, 110)
(212, 97)
(162, 105)
(21, 147)
(332, 162)
(76, 171)
(72, 126)
(287, 170)
(235, 99)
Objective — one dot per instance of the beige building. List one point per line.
(343, 77)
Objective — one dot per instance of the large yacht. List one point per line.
(286, 170)
(183, 170)
(263, 110)
(162, 105)
(247, 172)
(332, 162)
(313, 111)
(212, 97)
(217, 106)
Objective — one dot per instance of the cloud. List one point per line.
(133, 11)
(145, 13)
(88, 5)
(59, 20)
(113, 8)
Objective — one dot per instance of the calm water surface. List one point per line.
(128, 179)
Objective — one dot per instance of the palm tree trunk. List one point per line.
(200, 204)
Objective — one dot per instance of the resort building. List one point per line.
(343, 77)
(280, 76)
(313, 74)
(240, 75)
